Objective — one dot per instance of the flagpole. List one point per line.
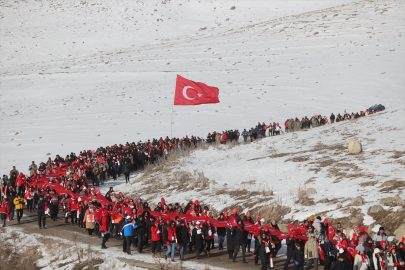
(171, 121)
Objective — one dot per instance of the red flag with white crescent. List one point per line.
(194, 93)
(100, 159)
(331, 231)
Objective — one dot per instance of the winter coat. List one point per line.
(298, 255)
(73, 205)
(33, 169)
(317, 225)
(141, 226)
(230, 245)
(297, 125)
(207, 229)
(182, 235)
(379, 237)
(127, 228)
(19, 203)
(156, 232)
(89, 218)
(309, 251)
(41, 207)
(358, 263)
(197, 239)
(105, 221)
(239, 234)
(171, 234)
(290, 245)
(391, 259)
(126, 168)
(338, 265)
(260, 249)
(10, 199)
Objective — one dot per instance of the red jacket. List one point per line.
(171, 234)
(5, 208)
(73, 205)
(105, 221)
(224, 137)
(97, 215)
(156, 233)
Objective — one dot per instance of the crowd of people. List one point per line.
(194, 227)
(262, 130)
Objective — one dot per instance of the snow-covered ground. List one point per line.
(77, 75)
(58, 253)
(317, 158)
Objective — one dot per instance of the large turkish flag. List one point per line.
(194, 93)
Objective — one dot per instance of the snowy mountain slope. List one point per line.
(323, 57)
(314, 159)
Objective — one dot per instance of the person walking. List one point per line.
(41, 212)
(19, 206)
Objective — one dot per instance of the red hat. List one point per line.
(325, 220)
(355, 235)
(4, 199)
(103, 204)
(383, 243)
(162, 199)
(192, 205)
(344, 243)
(120, 193)
(196, 202)
(392, 248)
(266, 227)
(225, 212)
(234, 211)
(248, 213)
(362, 229)
(156, 221)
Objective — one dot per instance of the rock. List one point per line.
(233, 8)
(203, 184)
(357, 201)
(355, 147)
(400, 210)
(400, 232)
(302, 193)
(269, 193)
(376, 209)
(192, 184)
(330, 203)
(213, 182)
(311, 191)
(399, 200)
(324, 200)
(339, 205)
(355, 220)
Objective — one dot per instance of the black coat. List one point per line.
(260, 250)
(141, 226)
(197, 239)
(182, 235)
(41, 207)
(290, 245)
(10, 199)
(338, 265)
(230, 245)
(298, 255)
(239, 234)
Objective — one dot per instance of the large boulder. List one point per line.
(357, 201)
(400, 232)
(311, 191)
(355, 147)
(269, 193)
(376, 209)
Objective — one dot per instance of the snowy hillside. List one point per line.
(316, 160)
(77, 75)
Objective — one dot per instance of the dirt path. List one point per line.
(219, 258)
